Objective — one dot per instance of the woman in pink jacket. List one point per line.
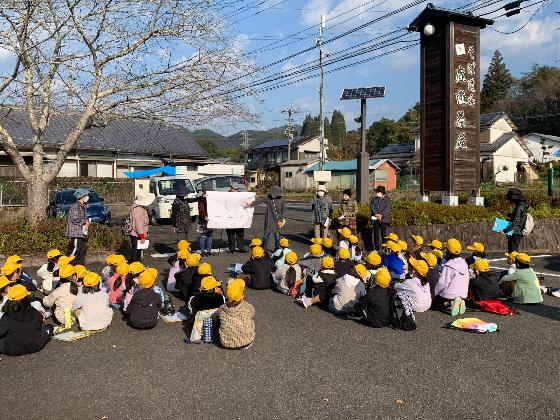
(453, 285)
(139, 223)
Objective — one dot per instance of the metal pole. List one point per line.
(550, 173)
(362, 173)
(321, 98)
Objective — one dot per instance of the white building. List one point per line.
(545, 147)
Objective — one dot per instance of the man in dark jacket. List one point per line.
(380, 208)
(257, 271)
(274, 218)
(517, 218)
(143, 309)
(77, 226)
(181, 212)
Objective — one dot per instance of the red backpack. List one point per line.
(495, 306)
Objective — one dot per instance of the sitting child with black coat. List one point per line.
(257, 272)
(143, 309)
(185, 278)
(485, 285)
(376, 304)
(210, 296)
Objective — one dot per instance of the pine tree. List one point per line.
(327, 125)
(338, 128)
(496, 84)
(307, 125)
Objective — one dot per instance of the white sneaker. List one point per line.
(306, 301)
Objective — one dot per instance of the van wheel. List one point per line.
(154, 221)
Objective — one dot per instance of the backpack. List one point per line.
(529, 225)
(495, 306)
(126, 224)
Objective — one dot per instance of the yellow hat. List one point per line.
(392, 237)
(205, 269)
(476, 246)
(315, 250)
(4, 282)
(361, 270)
(14, 259)
(17, 292)
(283, 242)
(209, 283)
(430, 258)
(354, 239)
(318, 241)
(234, 290)
(418, 240)
(110, 260)
(393, 246)
(256, 242)
(66, 271)
(453, 246)
(80, 271)
(512, 255)
(119, 259)
(327, 262)
(383, 278)
(122, 269)
(183, 245)
(183, 254)
(290, 258)
(327, 243)
(9, 268)
(403, 245)
(373, 258)
(344, 254)
(436, 244)
(523, 258)
(420, 266)
(53, 253)
(64, 260)
(345, 232)
(257, 252)
(438, 253)
(147, 278)
(192, 260)
(91, 279)
(136, 267)
(481, 265)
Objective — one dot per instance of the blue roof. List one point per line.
(167, 170)
(340, 165)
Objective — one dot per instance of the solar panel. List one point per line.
(363, 93)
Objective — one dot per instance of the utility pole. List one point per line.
(319, 43)
(290, 129)
(245, 140)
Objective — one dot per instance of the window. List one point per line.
(252, 179)
(105, 170)
(153, 187)
(69, 170)
(311, 155)
(170, 186)
(288, 174)
(381, 175)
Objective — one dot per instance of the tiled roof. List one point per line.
(396, 149)
(493, 147)
(280, 143)
(346, 165)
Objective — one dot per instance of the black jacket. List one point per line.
(260, 271)
(485, 286)
(202, 301)
(376, 305)
(382, 206)
(185, 282)
(22, 332)
(143, 309)
(518, 218)
(343, 267)
(433, 278)
(181, 213)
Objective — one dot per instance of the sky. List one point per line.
(274, 20)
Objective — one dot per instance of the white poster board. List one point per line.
(226, 210)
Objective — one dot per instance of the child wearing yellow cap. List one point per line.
(279, 255)
(48, 272)
(348, 289)
(185, 277)
(257, 271)
(289, 274)
(237, 328)
(522, 286)
(392, 261)
(343, 262)
(344, 235)
(209, 296)
(131, 282)
(373, 262)
(477, 249)
(417, 246)
(484, 285)
(91, 305)
(64, 295)
(311, 261)
(328, 247)
(143, 309)
(5, 284)
(23, 277)
(453, 284)
(319, 288)
(21, 326)
(116, 285)
(414, 293)
(375, 307)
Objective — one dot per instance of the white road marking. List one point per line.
(532, 256)
(171, 254)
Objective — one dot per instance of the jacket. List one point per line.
(394, 264)
(260, 272)
(275, 209)
(202, 210)
(376, 306)
(348, 209)
(143, 309)
(382, 206)
(485, 286)
(181, 213)
(22, 332)
(49, 282)
(202, 301)
(77, 218)
(311, 263)
(322, 209)
(454, 279)
(185, 282)
(518, 218)
(115, 295)
(347, 291)
(527, 288)
(279, 255)
(419, 295)
(433, 279)
(342, 267)
(237, 328)
(62, 298)
(95, 312)
(139, 222)
(280, 276)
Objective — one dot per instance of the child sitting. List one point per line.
(348, 289)
(131, 282)
(376, 304)
(477, 252)
(328, 247)
(185, 278)
(417, 247)
(344, 234)
(404, 255)
(4, 288)
(80, 272)
(21, 326)
(13, 271)
(392, 261)
(320, 288)
(279, 255)
(144, 307)
(237, 328)
(64, 295)
(48, 273)
(484, 285)
(343, 263)
(109, 268)
(414, 293)
(210, 296)
(511, 262)
(92, 305)
(436, 244)
(288, 274)
(353, 240)
(392, 237)
(373, 263)
(433, 273)
(523, 285)
(175, 263)
(116, 285)
(255, 242)
(257, 271)
(24, 278)
(311, 262)
(439, 255)
(453, 284)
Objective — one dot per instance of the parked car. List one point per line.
(165, 190)
(219, 182)
(97, 210)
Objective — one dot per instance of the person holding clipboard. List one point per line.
(139, 224)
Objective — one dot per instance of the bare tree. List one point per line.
(152, 59)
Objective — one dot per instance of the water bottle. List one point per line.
(207, 330)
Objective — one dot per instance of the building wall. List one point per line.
(508, 155)
(498, 129)
(533, 142)
(294, 177)
(311, 147)
(376, 177)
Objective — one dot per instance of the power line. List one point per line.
(544, 2)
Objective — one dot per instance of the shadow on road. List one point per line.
(540, 309)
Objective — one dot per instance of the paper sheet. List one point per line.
(176, 317)
(144, 245)
(226, 210)
(71, 336)
(500, 225)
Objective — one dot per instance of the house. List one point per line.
(400, 154)
(106, 149)
(382, 172)
(294, 176)
(545, 147)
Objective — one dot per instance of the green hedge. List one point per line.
(17, 237)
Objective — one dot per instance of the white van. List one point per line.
(165, 189)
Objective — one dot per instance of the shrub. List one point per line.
(17, 237)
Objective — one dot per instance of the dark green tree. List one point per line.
(386, 131)
(211, 148)
(338, 128)
(496, 85)
(327, 125)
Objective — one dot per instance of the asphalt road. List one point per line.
(305, 363)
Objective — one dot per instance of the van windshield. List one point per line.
(170, 186)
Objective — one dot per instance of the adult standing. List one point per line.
(181, 213)
(205, 239)
(274, 218)
(78, 226)
(380, 210)
(236, 236)
(517, 218)
(139, 224)
(348, 210)
(322, 206)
